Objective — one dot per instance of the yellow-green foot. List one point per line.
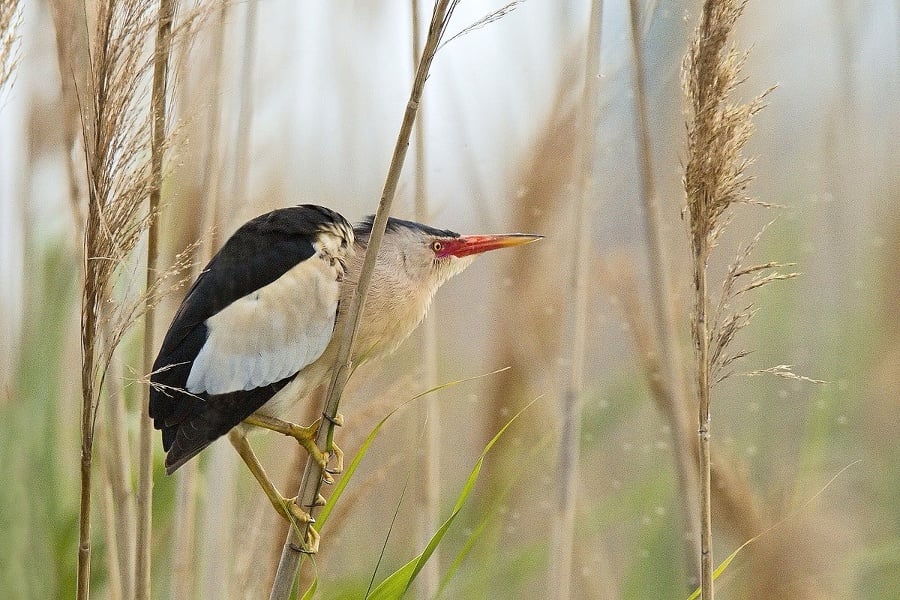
(297, 517)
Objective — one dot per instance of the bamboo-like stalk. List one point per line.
(217, 525)
(115, 586)
(703, 434)
(568, 461)
(670, 365)
(73, 48)
(312, 476)
(165, 17)
(184, 568)
(90, 298)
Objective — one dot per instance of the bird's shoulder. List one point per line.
(257, 254)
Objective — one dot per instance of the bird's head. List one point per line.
(424, 258)
(414, 260)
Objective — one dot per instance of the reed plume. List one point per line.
(715, 179)
(106, 58)
(114, 129)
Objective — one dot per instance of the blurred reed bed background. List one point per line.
(565, 119)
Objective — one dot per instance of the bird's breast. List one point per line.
(392, 313)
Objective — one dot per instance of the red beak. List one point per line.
(467, 245)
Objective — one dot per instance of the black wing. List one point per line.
(257, 254)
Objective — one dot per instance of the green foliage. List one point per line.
(398, 583)
(652, 572)
(38, 513)
(407, 573)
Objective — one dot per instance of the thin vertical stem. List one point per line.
(115, 586)
(87, 444)
(145, 450)
(560, 580)
(211, 179)
(702, 339)
(312, 476)
(714, 180)
(184, 562)
(215, 575)
(663, 316)
(80, 68)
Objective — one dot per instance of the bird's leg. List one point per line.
(286, 507)
(306, 437)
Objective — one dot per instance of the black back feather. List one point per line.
(364, 229)
(257, 254)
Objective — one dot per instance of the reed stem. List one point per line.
(145, 445)
(312, 476)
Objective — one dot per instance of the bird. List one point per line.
(254, 334)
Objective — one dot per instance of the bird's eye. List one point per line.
(436, 246)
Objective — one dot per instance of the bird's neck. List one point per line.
(394, 307)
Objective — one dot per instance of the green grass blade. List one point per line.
(322, 518)
(399, 582)
(482, 526)
(349, 471)
(310, 593)
(390, 530)
(724, 565)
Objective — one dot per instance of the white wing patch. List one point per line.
(271, 333)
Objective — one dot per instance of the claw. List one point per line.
(293, 513)
(337, 420)
(296, 516)
(306, 437)
(339, 456)
(312, 541)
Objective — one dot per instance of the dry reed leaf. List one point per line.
(786, 372)
(485, 20)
